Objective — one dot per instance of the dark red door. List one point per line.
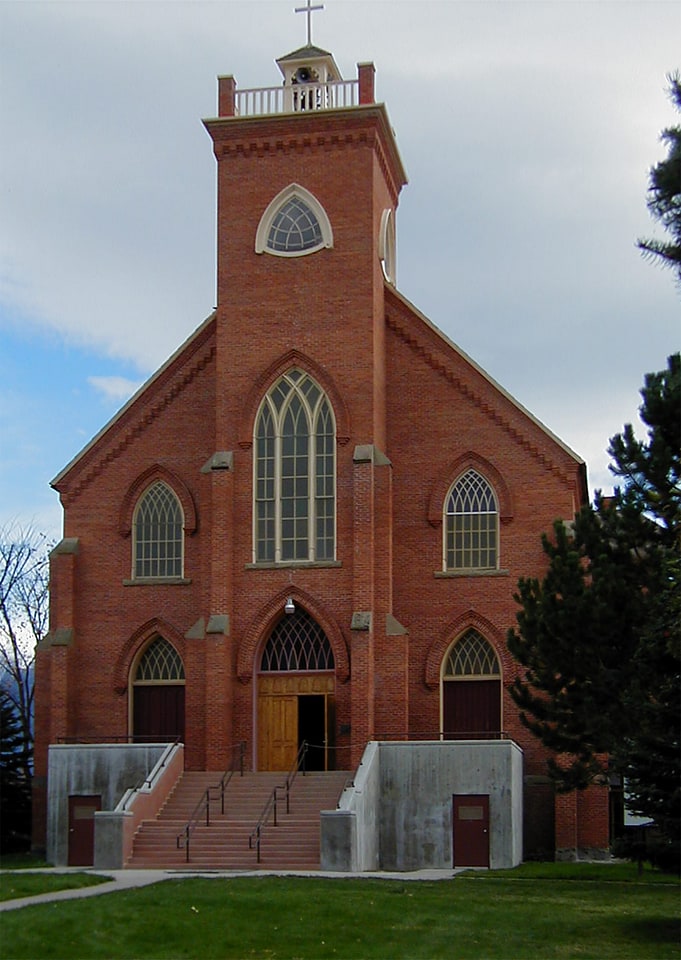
(471, 709)
(82, 830)
(470, 823)
(158, 713)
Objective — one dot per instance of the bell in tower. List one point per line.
(307, 75)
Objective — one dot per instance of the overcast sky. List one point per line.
(527, 131)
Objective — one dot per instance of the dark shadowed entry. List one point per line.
(158, 694)
(471, 690)
(296, 687)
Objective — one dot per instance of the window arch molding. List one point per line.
(456, 469)
(470, 656)
(453, 632)
(296, 643)
(141, 484)
(293, 358)
(263, 623)
(133, 649)
(168, 662)
(293, 192)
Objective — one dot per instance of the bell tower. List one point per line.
(309, 178)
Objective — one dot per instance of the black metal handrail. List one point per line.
(238, 751)
(270, 807)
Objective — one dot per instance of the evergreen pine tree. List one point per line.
(15, 788)
(599, 637)
(664, 193)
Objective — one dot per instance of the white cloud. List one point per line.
(527, 131)
(115, 389)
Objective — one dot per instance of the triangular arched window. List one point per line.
(294, 224)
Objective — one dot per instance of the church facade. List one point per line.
(309, 524)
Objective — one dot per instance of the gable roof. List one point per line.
(430, 328)
(303, 53)
(156, 379)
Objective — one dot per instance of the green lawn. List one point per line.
(476, 915)
(23, 884)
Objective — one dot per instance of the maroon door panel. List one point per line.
(81, 851)
(470, 828)
(158, 713)
(472, 708)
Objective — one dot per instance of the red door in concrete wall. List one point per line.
(470, 822)
(471, 708)
(82, 829)
(158, 713)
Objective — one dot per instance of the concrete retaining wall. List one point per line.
(350, 834)
(398, 816)
(104, 769)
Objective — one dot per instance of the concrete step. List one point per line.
(293, 844)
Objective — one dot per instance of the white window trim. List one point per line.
(263, 231)
(387, 246)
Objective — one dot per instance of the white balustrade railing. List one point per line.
(297, 98)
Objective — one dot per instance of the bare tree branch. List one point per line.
(24, 583)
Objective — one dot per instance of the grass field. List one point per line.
(23, 884)
(560, 911)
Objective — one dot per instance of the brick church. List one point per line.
(309, 523)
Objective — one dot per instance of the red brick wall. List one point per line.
(395, 384)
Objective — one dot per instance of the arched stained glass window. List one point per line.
(294, 224)
(158, 534)
(471, 656)
(295, 473)
(471, 525)
(160, 663)
(297, 643)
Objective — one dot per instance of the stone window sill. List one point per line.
(297, 564)
(449, 574)
(157, 582)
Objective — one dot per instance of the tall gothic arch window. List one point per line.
(471, 689)
(158, 534)
(295, 473)
(471, 528)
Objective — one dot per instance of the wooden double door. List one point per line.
(291, 709)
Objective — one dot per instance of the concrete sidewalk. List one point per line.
(131, 879)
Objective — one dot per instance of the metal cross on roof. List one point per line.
(308, 10)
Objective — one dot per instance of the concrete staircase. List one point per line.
(292, 845)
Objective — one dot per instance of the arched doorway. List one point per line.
(471, 689)
(158, 693)
(296, 684)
